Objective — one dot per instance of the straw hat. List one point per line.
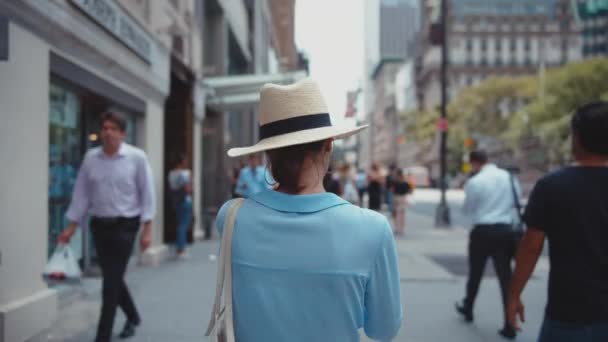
(292, 115)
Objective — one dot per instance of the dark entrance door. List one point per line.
(178, 138)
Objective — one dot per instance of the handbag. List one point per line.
(221, 324)
(518, 227)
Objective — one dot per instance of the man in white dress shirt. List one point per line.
(489, 202)
(115, 188)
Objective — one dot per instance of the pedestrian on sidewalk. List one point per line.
(180, 186)
(234, 180)
(306, 264)
(349, 185)
(374, 189)
(361, 185)
(401, 188)
(331, 182)
(252, 179)
(569, 208)
(115, 187)
(489, 202)
(389, 195)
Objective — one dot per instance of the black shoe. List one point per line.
(128, 330)
(464, 311)
(508, 333)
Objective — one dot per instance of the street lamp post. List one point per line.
(442, 215)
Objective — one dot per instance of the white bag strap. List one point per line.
(224, 272)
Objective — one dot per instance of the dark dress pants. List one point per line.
(114, 241)
(495, 242)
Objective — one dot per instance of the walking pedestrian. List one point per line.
(569, 208)
(331, 183)
(374, 188)
(114, 186)
(349, 184)
(361, 185)
(234, 180)
(306, 264)
(180, 186)
(401, 188)
(389, 196)
(252, 179)
(489, 202)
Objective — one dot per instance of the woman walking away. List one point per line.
(180, 184)
(401, 188)
(306, 264)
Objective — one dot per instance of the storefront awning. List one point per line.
(226, 93)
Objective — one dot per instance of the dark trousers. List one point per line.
(114, 241)
(490, 241)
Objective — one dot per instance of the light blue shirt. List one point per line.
(489, 197)
(120, 185)
(312, 268)
(250, 183)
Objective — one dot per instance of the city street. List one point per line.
(175, 297)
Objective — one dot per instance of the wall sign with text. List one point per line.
(111, 17)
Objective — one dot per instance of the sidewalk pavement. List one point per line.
(175, 297)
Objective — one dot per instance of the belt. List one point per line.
(114, 220)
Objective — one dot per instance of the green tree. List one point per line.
(547, 119)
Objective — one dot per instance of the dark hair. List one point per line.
(117, 118)
(286, 164)
(590, 123)
(479, 156)
(178, 158)
(399, 173)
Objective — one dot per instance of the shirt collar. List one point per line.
(309, 203)
(122, 151)
(488, 167)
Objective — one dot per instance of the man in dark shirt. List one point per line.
(570, 208)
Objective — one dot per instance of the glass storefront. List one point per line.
(73, 129)
(65, 153)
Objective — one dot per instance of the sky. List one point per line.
(331, 32)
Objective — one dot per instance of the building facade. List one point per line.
(593, 17)
(391, 38)
(498, 37)
(67, 62)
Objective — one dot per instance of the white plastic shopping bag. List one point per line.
(62, 265)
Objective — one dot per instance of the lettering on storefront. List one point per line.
(3, 39)
(111, 17)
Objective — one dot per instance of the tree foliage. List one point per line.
(547, 118)
(519, 109)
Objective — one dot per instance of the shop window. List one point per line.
(65, 152)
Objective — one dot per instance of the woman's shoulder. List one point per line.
(368, 221)
(221, 214)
